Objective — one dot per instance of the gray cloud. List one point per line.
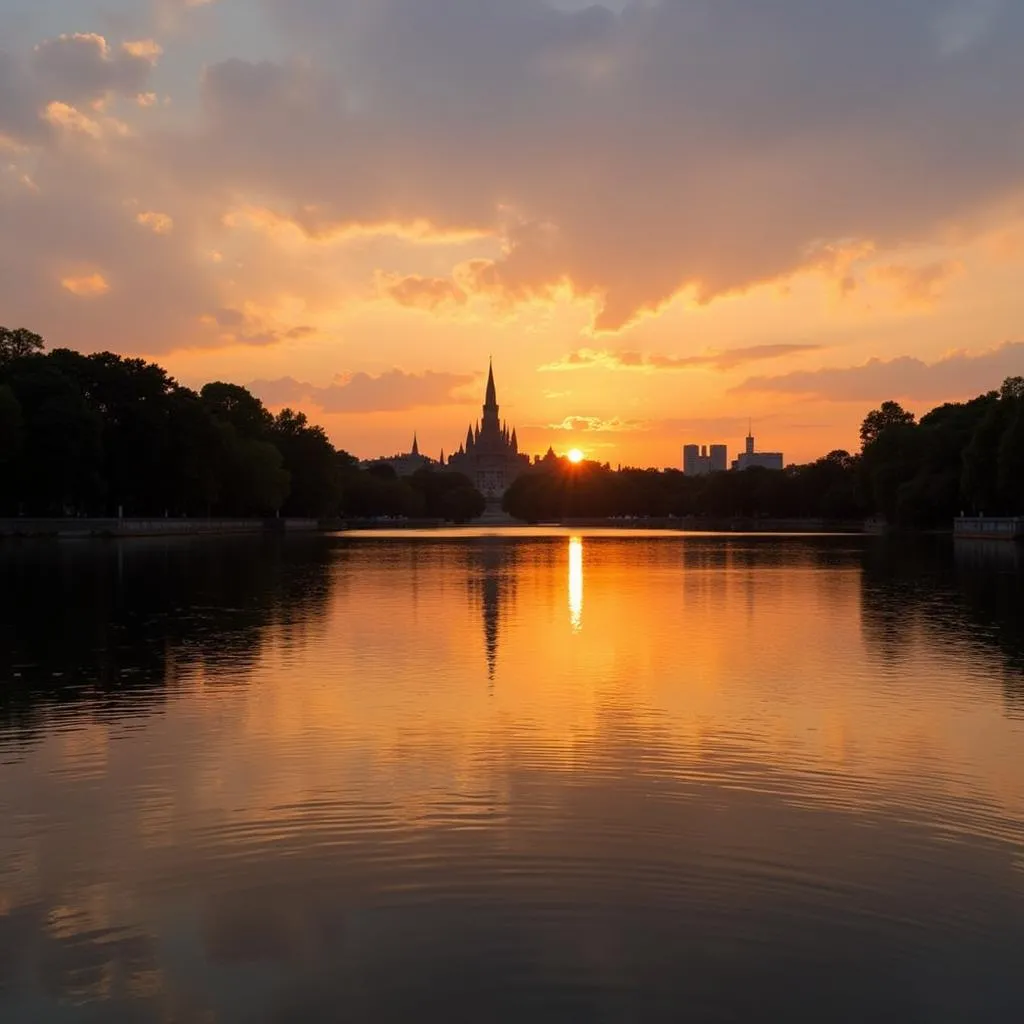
(956, 376)
(393, 391)
(83, 68)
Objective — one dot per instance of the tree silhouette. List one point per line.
(18, 342)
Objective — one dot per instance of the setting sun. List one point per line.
(575, 455)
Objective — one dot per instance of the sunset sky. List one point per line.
(660, 218)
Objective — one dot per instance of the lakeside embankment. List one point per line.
(70, 527)
(82, 528)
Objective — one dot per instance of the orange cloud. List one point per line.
(594, 424)
(422, 292)
(394, 391)
(918, 286)
(158, 223)
(313, 224)
(86, 286)
(64, 116)
(147, 49)
(587, 358)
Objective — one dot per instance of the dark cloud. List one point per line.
(956, 376)
(84, 68)
(393, 391)
(587, 358)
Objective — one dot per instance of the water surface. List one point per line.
(546, 776)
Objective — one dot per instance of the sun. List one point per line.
(575, 455)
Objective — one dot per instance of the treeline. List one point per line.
(961, 457)
(102, 435)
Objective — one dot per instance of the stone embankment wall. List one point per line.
(180, 527)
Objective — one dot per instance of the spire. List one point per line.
(491, 398)
(415, 445)
(515, 441)
(469, 439)
(441, 460)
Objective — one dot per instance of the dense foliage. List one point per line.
(961, 457)
(101, 434)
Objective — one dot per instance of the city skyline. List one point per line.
(653, 247)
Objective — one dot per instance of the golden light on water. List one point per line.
(576, 583)
(574, 455)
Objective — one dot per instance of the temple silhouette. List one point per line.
(490, 456)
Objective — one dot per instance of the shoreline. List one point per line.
(29, 528)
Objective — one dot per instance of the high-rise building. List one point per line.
(751, 457)
(699, 460)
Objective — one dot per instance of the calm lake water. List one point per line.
(526, 776)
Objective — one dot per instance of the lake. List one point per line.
(531, 775)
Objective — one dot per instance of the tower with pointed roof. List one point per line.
(490, 456)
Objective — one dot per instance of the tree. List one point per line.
(1011, 463)
(1013, 388)
(254, 481)
(11, 426)
(18, 342)
(450, 496)
(461, 504)
(234, 404)
(310, 461)
(979, 480)
(891, 414)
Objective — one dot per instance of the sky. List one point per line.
(663, 219)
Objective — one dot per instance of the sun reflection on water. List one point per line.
(576, 583)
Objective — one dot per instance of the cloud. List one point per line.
(594, 424)
(918, 285)
(83, 68)
(394, 391)
(612, 154)
(588, 358)
(158, 223)
(86, 286)
(625, 156)
(956, 376)
(422, 292)
(964, 23)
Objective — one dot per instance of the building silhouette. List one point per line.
(490, 456)
(699, 460)
(407, 463)
(750, 457)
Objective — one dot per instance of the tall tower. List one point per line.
(490, 421)
(750, 438)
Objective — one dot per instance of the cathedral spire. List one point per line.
(415, 445)
(491, 398)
